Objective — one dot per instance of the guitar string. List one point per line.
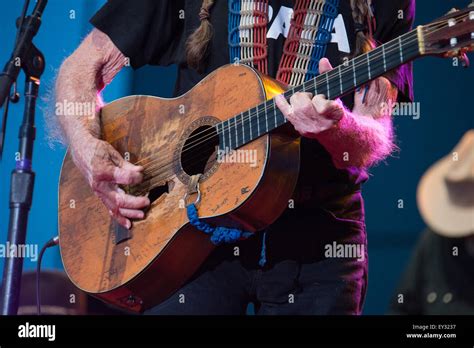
(295, 90)
(164, 170)
(350, 67)
(212, 132)
(152, 165)
(249, 116)
(335, 72)
(158, 177)
(150, 168)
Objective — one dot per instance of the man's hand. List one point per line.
(81, 78)
(311, 115)
(104, 168)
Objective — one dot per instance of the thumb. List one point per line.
(324, 65)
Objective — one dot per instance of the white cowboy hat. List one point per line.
(446, 191)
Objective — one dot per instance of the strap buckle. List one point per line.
(193, 187)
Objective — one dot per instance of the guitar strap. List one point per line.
(218, 235)
(310, 32)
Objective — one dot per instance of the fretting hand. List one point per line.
(311, 115)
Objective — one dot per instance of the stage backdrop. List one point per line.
(394, 224)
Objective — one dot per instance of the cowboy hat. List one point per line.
(445, 193)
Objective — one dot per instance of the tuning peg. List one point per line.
(451, 23)
(471, 17)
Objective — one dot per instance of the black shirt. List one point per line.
(328, 203)
(439, 279)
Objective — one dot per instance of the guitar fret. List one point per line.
(340, 78)
(327, 86)
(354, 71)
(384, 60)
(275, 112)
(243, 127)
(230, 136)
(362, 68)
(258, 121)
(266, 119)
(236, 133)
(221, 135)
(225, 128)
(368, 66)
(401, 48)
(250, 123)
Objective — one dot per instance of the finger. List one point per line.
(124, 200)
(132, 167)
(120, 199)
(324, 65)
(124, 172)
(331, 109)
(124, 212)
(117, 175)
(127, 174)
(132, 213)
(283, 105)
(301, 104)
(121, 219)
(300, 98)
(114, 212)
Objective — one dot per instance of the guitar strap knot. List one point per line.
(218, 234)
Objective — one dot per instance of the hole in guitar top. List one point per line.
(199, 152)
(157, 192)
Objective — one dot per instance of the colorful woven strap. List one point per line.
(248, 21)
(309, 34)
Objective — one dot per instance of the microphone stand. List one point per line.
(28, 58)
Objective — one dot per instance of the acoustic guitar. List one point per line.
(231, 110)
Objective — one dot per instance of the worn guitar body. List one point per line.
(164, 250)
(138, 269)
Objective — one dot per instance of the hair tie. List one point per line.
(204, 14)
(360, 27)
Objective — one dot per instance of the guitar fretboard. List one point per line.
(265, 117)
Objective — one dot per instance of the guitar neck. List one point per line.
(265, 117)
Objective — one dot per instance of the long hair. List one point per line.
(198, 42)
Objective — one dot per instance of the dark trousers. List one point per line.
(226, 284)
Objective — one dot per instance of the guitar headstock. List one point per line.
(449, 36)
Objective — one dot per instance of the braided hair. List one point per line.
(362, 15)
(198, 42)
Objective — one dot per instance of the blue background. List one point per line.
(445, 93)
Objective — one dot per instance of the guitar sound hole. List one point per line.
(199, 152)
